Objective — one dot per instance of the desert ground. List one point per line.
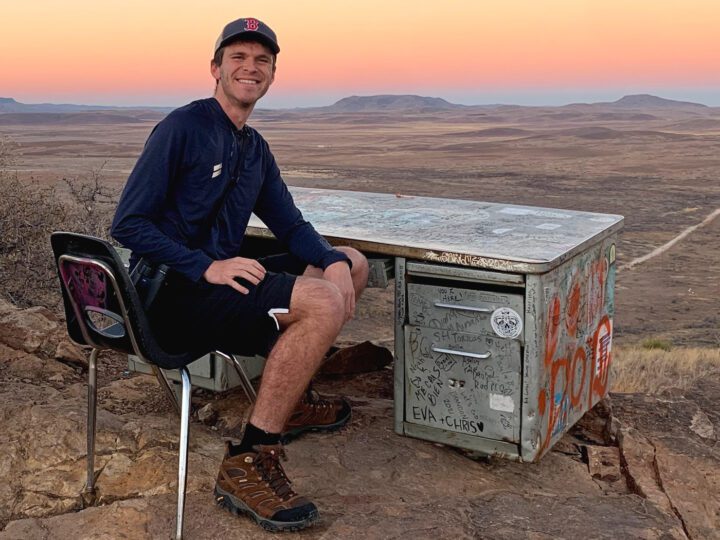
(648, 470)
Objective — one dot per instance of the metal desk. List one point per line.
(503, 313)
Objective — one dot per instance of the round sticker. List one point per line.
(506, 323)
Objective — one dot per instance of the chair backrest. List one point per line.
(102, 307)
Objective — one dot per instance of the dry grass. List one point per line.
(652, 370)
(29, 213)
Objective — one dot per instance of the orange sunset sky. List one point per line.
(134, 52)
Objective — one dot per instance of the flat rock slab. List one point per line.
(370, 483)
(681, 456)
(648, 469)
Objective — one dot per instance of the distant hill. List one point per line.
(643, 101)
(79, 118)
(386, 103)
(390, 103)
(9, 105)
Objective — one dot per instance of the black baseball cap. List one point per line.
(252, 29)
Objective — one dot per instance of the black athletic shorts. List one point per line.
(202, 317)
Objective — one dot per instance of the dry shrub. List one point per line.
(29, 213)
(656, 343)
(650, 371)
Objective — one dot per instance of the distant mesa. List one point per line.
(10, 105)
(390, 103)
(77, 118)
(398, 103)
(629, 107)
(646, 101)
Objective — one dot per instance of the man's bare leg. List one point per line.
(315, 319)
(317, 313)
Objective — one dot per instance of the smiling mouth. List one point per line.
(246, 81)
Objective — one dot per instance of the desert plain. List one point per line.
(654, 161)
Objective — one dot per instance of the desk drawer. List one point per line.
(466, 310)
(467, 383)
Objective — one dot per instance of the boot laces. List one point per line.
(268, 465)
(314, 399)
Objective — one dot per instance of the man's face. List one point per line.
(245, 74)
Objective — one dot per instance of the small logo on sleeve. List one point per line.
(217, 169)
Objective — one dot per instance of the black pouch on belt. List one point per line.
(148, 278)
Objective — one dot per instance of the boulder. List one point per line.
(664, 445)
(38, 331)
(43, 464)
(23, 366)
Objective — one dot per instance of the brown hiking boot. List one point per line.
(315, 413)
(254, 483)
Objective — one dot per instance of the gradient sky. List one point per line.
(157, 52)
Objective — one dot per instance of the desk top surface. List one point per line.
(504, 237)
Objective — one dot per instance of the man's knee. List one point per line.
(318, 299)
(360, 268)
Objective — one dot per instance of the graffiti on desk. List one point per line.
(455, 392)
(532, 349)
(448, 421)
(425, 314)
(489, 379)
(578, 343)
(461, 310)
(461, 259)
(400, 291)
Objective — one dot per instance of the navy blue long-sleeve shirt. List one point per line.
(166, 210)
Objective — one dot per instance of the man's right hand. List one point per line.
(225, 272)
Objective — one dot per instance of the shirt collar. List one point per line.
(220, 113)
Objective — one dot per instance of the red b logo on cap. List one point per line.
(251, 24)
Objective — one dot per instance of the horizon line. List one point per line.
(9, 99)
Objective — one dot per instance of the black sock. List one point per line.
(253, 436)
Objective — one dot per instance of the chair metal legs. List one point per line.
(184, 409)
(89, 491)
(166, 386)
(240, 369)
(183, 449)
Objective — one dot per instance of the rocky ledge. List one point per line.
(636, 467)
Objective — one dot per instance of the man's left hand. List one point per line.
(339, 274)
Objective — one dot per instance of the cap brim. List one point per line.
(249, 35)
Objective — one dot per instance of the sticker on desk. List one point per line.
(498, 402)
(506, 322)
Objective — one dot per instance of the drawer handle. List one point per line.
(462, 353)
(464, 308)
